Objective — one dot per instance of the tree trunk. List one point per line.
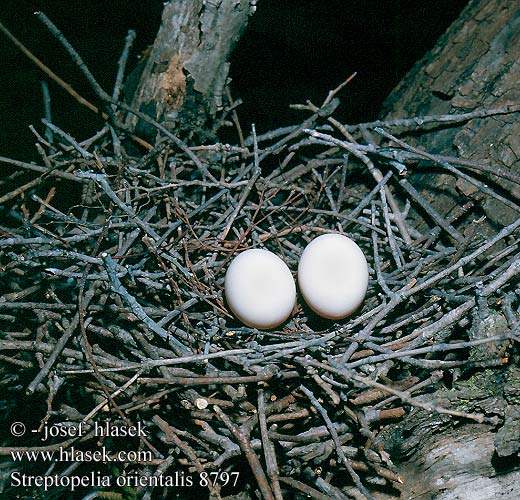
(467, 462)
(474, 65)
(184, 75)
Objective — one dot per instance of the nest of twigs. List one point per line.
(112, 308)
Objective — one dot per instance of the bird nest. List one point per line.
(116, 337)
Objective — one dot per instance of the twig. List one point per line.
(335, 438)
(269, 453)
(110, 268)
(245, 445)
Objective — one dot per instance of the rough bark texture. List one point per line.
(474, 65)
(465, 462)
(187, 66)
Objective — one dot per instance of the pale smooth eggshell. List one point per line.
(333, 276)
(260, 289)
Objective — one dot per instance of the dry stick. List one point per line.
(269, 453)
(290, 348)
(367, 330)
(115, 393)
(304, 488)
(421, 121)
(173, 284)
(20, 294)
(47, 111)
(272, 134)
(60, 345)
(81, 316)
(137, 309)
(284, 350)
(171, 435)
(173, 227)
(216, 380)
(424, 311)
(41, 170)
(234, 116)
(43, 204)
(340, 87)
(17, 362)
(296, 131)
(121, 64)
(394, 248)
(64, 254)
(312, 435)
(102, 180)
(107, 98)
(368, 198)
(442, 347)
(81, 150)
(406, 292)
(436, 216)
(482, 187)
(195, 358)
(329, 98)
(349, 376)
(501, 280)
(284, 179)
(245, 445)
(41, 347)
(433, 379)
(327, 388)
(406, 398)
(503, 233)
(9, 450)
(21, 189)
(376, 174)
(377, 259)
(337, 443)
(256, 174)
(482, 272)
(427, 332)
(45, 69)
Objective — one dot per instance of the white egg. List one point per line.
(333, 276)
(260, 289)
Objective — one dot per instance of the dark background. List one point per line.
(293, 50)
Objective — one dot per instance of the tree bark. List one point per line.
(184, 75)
(464, 462)
(475, 64)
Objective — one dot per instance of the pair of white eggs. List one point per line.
(332, 276)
